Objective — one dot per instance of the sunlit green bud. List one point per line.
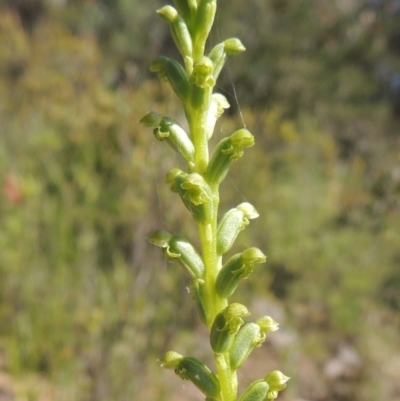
(194, 192)
(177, 138)
(171, 360)
(160, 238)
(203, 83)
(219, 53)
(179, 29)
(228, 150)
(179, 248)
(250, 336)
(248, 210)
(218, 57)
(277, 382)
(200, 375)
(195, 290)
(197, 189)
(185, 8)
(167, 129)
(204, 20)
(238, 267)
(168, 13)
(267, 324)
(233, 221)
(217, 106)
(238, 141)
(151, 119)
(233, 46)
(202, 73)
(188, 256)
(257, 391)
(226, 324)
(175, 177)
(182, 7)
(174, 73)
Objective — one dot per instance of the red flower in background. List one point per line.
(12, 189)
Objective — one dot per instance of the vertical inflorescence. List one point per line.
(214, 279)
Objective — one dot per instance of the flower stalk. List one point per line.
(214, 280)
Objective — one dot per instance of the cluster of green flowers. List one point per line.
(213, 279)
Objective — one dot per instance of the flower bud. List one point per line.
(151, 120)
(250, 336)
(185, 8)
(238, 267)
(175, 177)
(233, 221)
(188, 256)
(204, 20)
(276, 381)
(219, 53)
(227, 150)
(179, 248)
(257, 391)
(200, 375)
(203, 82)
(171, 360)
(174, 73)
(194, 192)
(202, 73)
(267, 324)
(233, 46)
(167, 129)
(226, 324)
(197, 190)
(179, 30)
(188, 368)
(217, 106)
(160, 238)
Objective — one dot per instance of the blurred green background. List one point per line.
(87, 306)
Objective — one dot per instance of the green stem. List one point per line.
(208, 232)
(212, 303)
(196, 113)
(227, 378)
(200, 142)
